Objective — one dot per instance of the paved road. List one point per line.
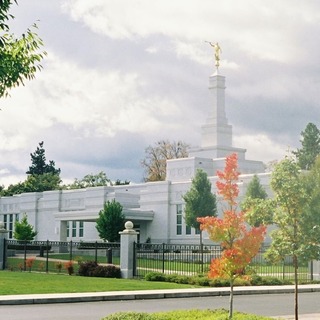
(263, 304)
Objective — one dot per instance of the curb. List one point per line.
(150, 294)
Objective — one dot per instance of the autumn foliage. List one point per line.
(240, 243)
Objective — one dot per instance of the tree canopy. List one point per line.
(258, 209)
(90, 180)
(42, 176)
(199, 200)
(38, 163)
(20, 56)
(296, 215)
(156, 156)
(110, 221)
(23, 230)
(310, 150)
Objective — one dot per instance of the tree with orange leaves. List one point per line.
(239, 243)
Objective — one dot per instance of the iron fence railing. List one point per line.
(51, 256)
(192, 260)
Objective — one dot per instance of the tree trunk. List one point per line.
(295, 263)
(231, 300)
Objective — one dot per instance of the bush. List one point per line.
(92, 269)
(204, 281)
(155, 276)
(109, 271)
(219, 282)
(268, 281)
(86, 268)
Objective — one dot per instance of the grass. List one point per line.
(33, 283)
(219, 314)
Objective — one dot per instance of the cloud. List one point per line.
(123, 74)
(212, 20)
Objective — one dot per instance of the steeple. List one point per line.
(216, 131)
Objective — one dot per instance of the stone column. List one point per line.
(127, 239)
(315, 269)
(3, 235)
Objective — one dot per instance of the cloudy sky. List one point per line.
(121, 75)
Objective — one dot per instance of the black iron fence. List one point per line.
(192, 260)
(55, 256)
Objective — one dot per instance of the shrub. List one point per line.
(109, 271)
(155, 276)
(219, 282)
(171, 277)
(202, 281)
(58, 266)
(92, 269)
(86, 268)
(268, 281)
(69, 267)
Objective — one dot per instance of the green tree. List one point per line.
(42, 176)
(199, 201)
(12, 189)
(111, 221)
(38, 163)
(23, 230)
(297, 234)
(90, 180)
(155, 161)
(258, 210)
(310, 229)
(20, 56)
(310, 142)
(42, 182)
(255, 190)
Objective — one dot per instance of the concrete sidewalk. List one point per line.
(157, 294)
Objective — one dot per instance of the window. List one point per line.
(74, 228)
(188, 230)
(9, 220)
(81, 229)
(179, 219)
(68, 229)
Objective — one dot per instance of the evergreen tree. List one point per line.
(255, 190)
(310, 142)
(258, 209)
(39, 165)
(199, 201)
(111, 221)
(23, 230)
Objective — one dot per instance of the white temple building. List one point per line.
(156, 208)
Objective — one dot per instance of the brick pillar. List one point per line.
(127, 239)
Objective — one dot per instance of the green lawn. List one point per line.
(33, 283)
